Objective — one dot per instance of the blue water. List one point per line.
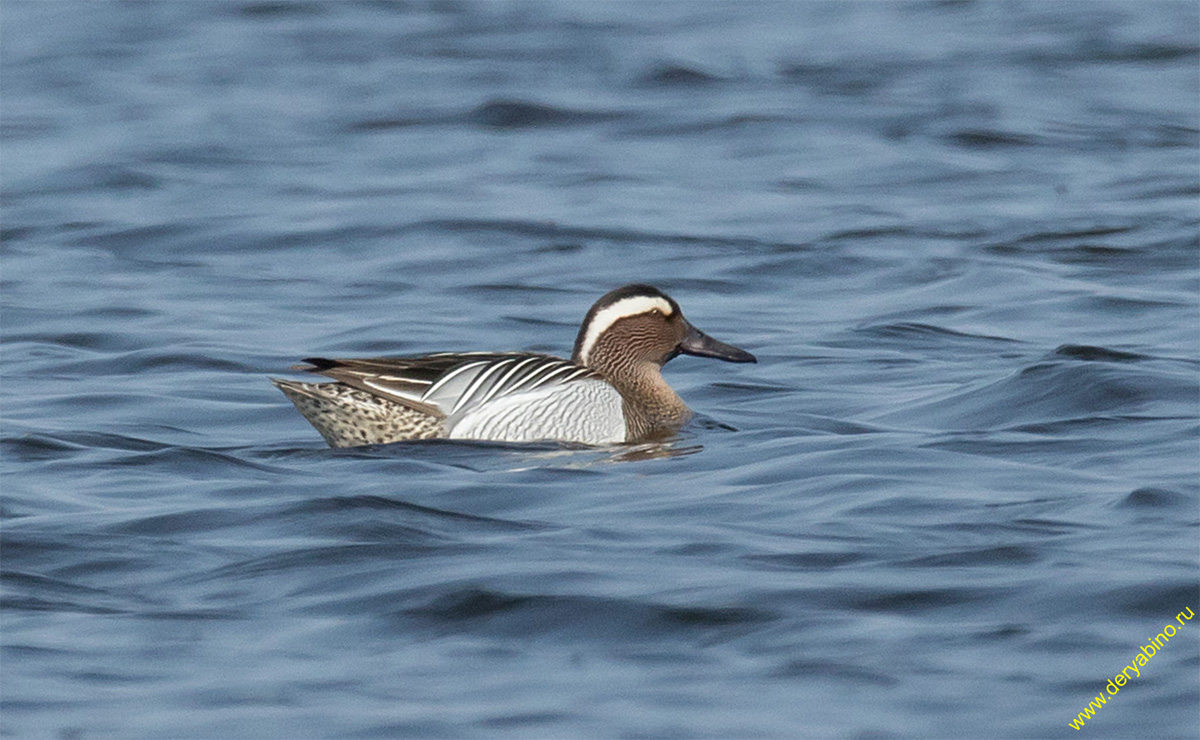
(957, 495)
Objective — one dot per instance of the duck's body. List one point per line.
(514, 397)
(610, 391)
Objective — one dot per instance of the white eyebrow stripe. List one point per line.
(622, 309)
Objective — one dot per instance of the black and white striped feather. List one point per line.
(450, 385)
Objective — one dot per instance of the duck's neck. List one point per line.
(652, 408)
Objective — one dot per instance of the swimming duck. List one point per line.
(610, 391)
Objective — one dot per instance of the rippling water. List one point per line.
(958, 493)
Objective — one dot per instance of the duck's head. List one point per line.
(638, 324)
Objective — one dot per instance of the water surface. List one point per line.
(957, 495)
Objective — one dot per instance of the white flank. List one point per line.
(622, 309)
(586, 411)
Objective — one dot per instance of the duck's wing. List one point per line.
(450, 384)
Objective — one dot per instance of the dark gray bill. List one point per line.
(700, 344)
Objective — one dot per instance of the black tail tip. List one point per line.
(318, 364)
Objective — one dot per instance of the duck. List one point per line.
(611, 391)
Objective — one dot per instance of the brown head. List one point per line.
(638, 328)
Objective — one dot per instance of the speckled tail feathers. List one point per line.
(347, 417)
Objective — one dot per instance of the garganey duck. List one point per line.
(610, 391)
